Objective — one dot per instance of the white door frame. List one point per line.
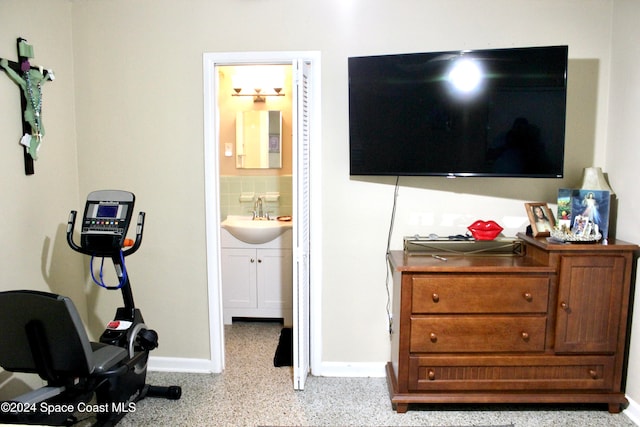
(212, 191)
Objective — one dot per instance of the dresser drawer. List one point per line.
(440, 293)
(463, 334)
(453, 373)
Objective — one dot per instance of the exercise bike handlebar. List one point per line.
(136, 244)
(70, 226)
(138, 241)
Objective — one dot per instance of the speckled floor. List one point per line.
(252, 392)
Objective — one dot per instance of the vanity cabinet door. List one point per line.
(275, 276)
(239, 278)
(589, 303)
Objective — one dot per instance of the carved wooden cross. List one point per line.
(30, 79)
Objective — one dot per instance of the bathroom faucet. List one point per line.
(258, 211)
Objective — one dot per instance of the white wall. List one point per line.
(34, 209)
(623, 152)
(138, 97)
(139, 94)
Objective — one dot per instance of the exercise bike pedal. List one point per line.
(148, 339)
(173, 392)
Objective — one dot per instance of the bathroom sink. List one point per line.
(254, 231)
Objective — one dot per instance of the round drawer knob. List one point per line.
(431, 374)
(593, 374)
(564, 306)
(435, 297)
(433, 337)
(525, 336)
(527, 296)
(253, 260)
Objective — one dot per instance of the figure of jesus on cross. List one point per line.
(30, 79)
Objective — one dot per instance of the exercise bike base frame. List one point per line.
(105, 237)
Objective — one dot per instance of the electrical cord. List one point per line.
(101, 282)
(388, 253)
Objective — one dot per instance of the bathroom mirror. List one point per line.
(259, 140)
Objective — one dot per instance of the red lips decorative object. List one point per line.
(484, 230)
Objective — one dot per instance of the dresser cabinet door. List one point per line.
(589, 303)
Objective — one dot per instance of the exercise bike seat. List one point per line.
(42, 333)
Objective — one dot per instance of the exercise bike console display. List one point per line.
(106, 219)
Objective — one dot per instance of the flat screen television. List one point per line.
(491, 112)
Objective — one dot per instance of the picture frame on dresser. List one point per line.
(541, 218)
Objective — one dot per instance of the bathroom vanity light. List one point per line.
(258, 96)
(259, 78)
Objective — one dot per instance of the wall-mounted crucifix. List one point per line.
(30, 78)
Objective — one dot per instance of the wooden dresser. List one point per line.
(547, 326)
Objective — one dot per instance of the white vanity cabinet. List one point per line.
(257, 279)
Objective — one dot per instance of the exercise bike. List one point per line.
(42, 333)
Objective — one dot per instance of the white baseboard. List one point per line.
(177, 364)
(633, 411)
(327, 369)
(350, 369)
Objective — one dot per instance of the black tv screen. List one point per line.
(492, 112)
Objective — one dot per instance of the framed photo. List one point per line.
(541, 219)
(274, 143)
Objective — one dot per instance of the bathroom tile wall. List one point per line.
(231, 187)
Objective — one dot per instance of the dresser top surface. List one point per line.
(404, 262)
(464, 263)
(611, 245)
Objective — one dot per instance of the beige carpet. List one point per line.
(252, 392)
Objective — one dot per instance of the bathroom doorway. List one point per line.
(305, 78)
